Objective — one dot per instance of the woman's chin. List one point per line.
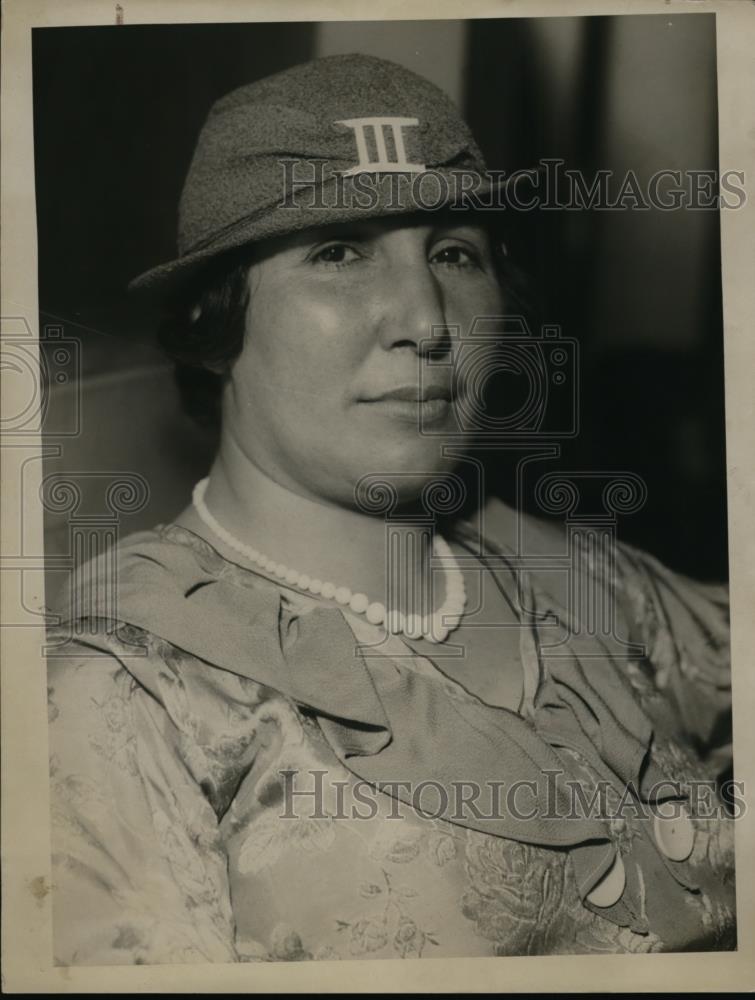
(404, 468)
(388, 480)
(415, 461)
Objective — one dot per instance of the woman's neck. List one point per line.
(390, 563)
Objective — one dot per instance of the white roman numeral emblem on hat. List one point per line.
(381, 128)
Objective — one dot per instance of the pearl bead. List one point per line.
(395, 622)
(375, 613)
(438, 628)
(359, 603)
(413, 627)
(434, 627)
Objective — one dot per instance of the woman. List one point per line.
(323, 721)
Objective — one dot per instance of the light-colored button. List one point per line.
(608, 891)
(675, 836)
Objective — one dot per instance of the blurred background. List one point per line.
(116, 114)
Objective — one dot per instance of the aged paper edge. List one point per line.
(26, 927)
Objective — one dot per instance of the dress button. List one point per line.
(675, 836)
(608, 891)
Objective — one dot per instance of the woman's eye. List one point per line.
(336, 253)
(456, 256)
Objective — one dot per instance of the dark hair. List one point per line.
(203, 329)
(202, 333)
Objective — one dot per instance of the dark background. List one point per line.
(116, 114)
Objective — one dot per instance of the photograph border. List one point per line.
(26, 874)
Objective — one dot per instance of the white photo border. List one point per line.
(26, 924)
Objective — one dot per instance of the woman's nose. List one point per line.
(414, 313)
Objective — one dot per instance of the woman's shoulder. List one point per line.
(516, 530)
(161, 596)
(528, 535)
(682, 622)
(166, 597)
(150, 570)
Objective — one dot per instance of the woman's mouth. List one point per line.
(415, 404)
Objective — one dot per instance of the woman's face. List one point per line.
(348, 365)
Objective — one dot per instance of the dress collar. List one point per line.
(388, 724)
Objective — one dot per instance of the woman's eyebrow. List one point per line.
(453, 227)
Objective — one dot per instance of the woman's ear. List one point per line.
(217, 367)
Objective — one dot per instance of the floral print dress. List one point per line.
(204, 814)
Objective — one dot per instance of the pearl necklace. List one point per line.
(434, 627)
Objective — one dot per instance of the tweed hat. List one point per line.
(297, 149)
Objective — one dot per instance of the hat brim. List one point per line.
(175, 277)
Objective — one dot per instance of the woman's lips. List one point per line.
(415, 404)
(414, 411)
